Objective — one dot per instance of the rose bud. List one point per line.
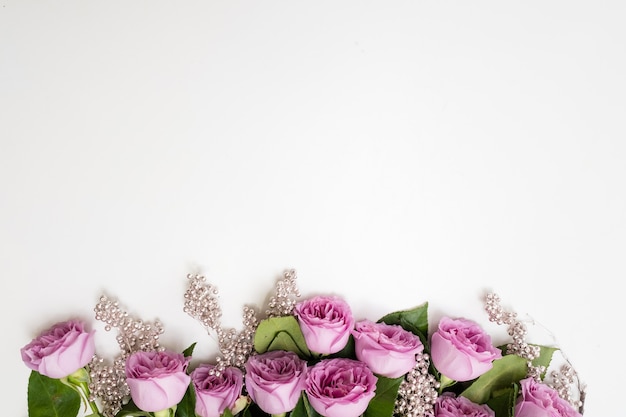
(387, 349)
(216, 392)
(540, 400)
(326, 322)
(157, 380)
(275, 380)
(340, 387)
(449, 405)
(61, 350)
(461, 350)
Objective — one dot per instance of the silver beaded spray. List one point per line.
(418, 392)
(562, 380)
(108, 380)
(202, 303)
(286, 292)
(518, 331)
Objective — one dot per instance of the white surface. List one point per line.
(391, 152)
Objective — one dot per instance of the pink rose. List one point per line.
(340, 387)
(387, 349)
(449, 405)
(275, 380)
(540, 400)
(215, 393)
(461, 350)
(157, 380)
(326, 322)
(61, 350)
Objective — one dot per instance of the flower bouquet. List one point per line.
(303, 358)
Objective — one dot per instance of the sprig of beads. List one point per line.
(108, 381)
(418, 392)
(562, 380)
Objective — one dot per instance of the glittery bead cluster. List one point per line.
(108, 381)
(202, 303)
(284, 299)
(418, 392)
(562, 381)
(518, 331)
(134, 334)
(108, 384)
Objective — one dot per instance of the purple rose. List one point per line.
(387, 349)
(540, 400)
(157, 380)
(461, 350)
(275, 380)
(61, 350)
(216, 392)
(326, 322)
(449, 405)
(340, 387)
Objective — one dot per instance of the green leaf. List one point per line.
(545, 357)
(303, 408)
(414, 320)
(284, 341)
(227, 413)
(187, 405)
(281, 333)
(383, 403)
(503, 402)
(189, 351)
(508, 370)
(49, 397)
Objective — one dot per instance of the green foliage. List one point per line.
(506, 372)
(281, 333)
(383, 404)
(503, 402)
(189, 351)
(304, 409)
(414, 320)
(186, 407)
(49, 397)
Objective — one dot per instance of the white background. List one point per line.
(392, 152)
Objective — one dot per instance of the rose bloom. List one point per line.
(461, 350)
(540, 400)
(340, 387)
(449, 405)
(387, 349)
(61, 350)
(157, 380)
(215, 393)
(326, 322)
(275, 380)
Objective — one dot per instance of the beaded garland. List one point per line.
(417, 393)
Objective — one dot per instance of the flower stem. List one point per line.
(445, 382)
(168, 412)
(80, 381)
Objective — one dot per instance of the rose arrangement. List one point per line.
(304, 358)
